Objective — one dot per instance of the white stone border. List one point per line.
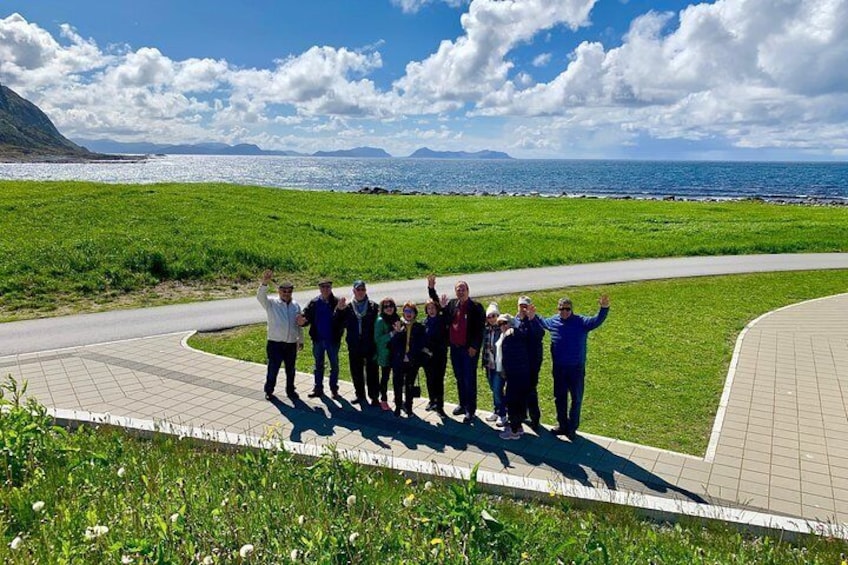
(652, 505)
(731, 374)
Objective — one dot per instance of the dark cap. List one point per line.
(358, 284)
(286, 284)
(325, 280)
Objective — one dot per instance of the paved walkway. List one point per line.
(780, 443)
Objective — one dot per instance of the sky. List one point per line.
(572, 79)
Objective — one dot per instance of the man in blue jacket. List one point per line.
(569, 333)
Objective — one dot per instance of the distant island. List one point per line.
(143, 148)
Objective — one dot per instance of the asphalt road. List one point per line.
(84, 329)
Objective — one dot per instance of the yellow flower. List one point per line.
(436, 541)
(408, 482)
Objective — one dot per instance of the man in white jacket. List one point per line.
(285, 337)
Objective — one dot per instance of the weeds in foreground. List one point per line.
(97, 495)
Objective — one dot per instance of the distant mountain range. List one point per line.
(110, 146)
(27, 134)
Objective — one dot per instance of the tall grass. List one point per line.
(657, 366)
(75, 244)
(105, 497)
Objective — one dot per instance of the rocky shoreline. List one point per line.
(785, 200)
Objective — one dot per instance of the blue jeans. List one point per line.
(319, 349)
(465, 371)
(568, 381)
(497, 383)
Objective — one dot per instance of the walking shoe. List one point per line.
(397, 411)
(501, 422)
(458, 410)
(534, 425)
(316, 392)
(468, 419)
(558, 431)
(571, 435)
(431, 406)
(408, 411)
(292, 394)
(269, 396)
(335, 393)
(508, 434)
(492, 417)
(357, 400)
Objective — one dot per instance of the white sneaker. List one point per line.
(507, 434)
(501, 422)
(491, 417)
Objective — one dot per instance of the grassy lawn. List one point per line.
(657, 366)
(100, 496)
(74, 246)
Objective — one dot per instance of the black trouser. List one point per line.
(517, 389)
(385, 373)
(533, 395)
(279, 353)
(434, 369)
(403, 381)
(362, 367)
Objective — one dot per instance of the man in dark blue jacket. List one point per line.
(326, 337)
(357, 317)
(569, 333)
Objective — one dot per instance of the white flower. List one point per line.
(93, 532)
(352, 537)
(428, 485)
(208, 560)
(126, 560)
(16, 543)
(301, 520)
(351, 500)
(225, 502)
(174, 517)
(407, 502)
(294, 555)
(122, 472)
(38, 506)
(246, 550)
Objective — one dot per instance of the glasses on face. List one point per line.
(408, 311)
(387, 306)
(565, 309)
(285, 290)
(491, 315)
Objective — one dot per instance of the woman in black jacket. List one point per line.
(435, 358)
(407, 345)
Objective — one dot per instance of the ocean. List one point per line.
(695, 180)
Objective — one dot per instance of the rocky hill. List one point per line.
(27, 134)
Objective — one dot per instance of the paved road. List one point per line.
(70, 331)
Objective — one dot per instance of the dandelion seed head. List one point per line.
(301, 520)
(294, 555)
(407, 502)
(16, 543)
(174, 518)
(38, 506)
(208, 560)
(121, 472)
(352, 537)
(428, 485)
(351, 500)
(246, 549)
(126, 560)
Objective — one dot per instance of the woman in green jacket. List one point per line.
(382, 335)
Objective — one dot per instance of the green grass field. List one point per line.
(101, 496)
(73, 246)
(657, 366)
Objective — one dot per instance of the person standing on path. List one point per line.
(407, 343)
(465, 336)
(382, 336)
(491, 335)
(285, 336)
(326, 337)
(435, 355)
(569, 333)
(513, 353)
(537, 353)
(358, 317)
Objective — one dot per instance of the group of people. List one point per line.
(384, 344)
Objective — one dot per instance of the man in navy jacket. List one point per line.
(569, 333)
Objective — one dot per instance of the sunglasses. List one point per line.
(388, 306)
(491, 315)
(408, 311)
(565, 309)
(285, 290)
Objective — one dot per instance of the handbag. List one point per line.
(416, 388)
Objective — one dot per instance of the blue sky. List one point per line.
(733, 79)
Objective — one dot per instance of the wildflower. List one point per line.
(246, 550)
(428, 485)
(16, 543)
(174, 518)
(38, 506)
(351, 500)
(408, 482)
(208, 560)
(126, 560)
(93, 532)
(525, 556)
(225, 502)
(436, 541)
(121, 473)
(352, 537)
(301, 520)
(294, 555)
(407, 502)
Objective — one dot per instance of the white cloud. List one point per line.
(541, 59)
(413, 6)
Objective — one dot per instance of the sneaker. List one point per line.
(430, 407)
(501, 423)
(316, 392)
(458, 410)
(269, 396)
(336, 395)
(508, 434)
(571, 435)
(492, 418)
(292, 394)
(357, 400)
(558, 431)
(408, 411)
(468, 419)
